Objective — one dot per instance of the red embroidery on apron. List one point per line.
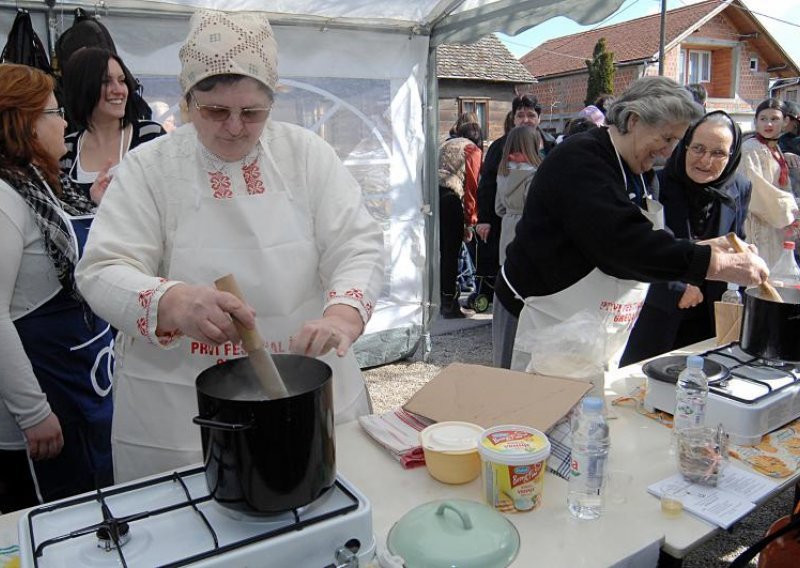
(252, 178)
(220, 185)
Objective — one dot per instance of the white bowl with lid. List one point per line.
(451, 451)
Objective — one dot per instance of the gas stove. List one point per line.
(755, 397)
(172, 521)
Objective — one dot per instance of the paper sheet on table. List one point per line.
(728, 322)
(488, 396)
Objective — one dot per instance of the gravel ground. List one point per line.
(392, 385)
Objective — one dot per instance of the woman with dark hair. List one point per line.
(773, 208)
(459, 165)
(55, 377)
(703, 197)
(99, 93)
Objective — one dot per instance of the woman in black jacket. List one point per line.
(703, 197)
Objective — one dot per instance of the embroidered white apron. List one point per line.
(265, 240)
(617, 302)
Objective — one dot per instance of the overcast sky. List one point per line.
(775, 16)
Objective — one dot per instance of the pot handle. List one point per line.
(465, 520)
(215, 425)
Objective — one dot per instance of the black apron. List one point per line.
(73, 361)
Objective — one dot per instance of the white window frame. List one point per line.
(684, 72)
(754, 63)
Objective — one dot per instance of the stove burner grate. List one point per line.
(113, 526)
(742, 365)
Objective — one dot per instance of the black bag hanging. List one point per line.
(24, 46)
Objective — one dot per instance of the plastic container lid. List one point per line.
(733, 286)
(451, 437)
(514, 445)
(592, 404)
(454, 533)
(694, 362)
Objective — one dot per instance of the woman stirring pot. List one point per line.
(233, 192)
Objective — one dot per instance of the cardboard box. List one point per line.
(488, 396)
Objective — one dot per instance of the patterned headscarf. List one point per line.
(229, 43)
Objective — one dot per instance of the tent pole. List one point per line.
(430, 182)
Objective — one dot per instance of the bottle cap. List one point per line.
(733, 286)
(592, 404)
(788, 245)
(694, 362)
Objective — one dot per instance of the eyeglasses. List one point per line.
(222, 113)
(699, 151)
(59, 111)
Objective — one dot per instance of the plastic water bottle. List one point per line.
(785, 272)
(691, 395)
(732, 294)
(590, 443)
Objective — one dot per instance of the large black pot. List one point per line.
(267, 456)
(771, 330)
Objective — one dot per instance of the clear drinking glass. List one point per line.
(702, 454)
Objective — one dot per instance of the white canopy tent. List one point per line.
(362, 74)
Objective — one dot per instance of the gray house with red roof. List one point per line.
(719, 44)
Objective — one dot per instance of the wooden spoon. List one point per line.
(267, 373)
(767, 289)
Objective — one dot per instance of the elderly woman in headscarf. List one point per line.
(589, 239)
(703, 197)
(233, 192)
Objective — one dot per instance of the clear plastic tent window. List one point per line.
(357, 73)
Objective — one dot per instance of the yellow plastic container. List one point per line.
(514, 459)
(451, 451)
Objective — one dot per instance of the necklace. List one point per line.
(219, 172)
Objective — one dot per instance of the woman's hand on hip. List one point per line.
(338, 329)
(45, 439)
(203, 313)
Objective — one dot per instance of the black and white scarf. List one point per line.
(59, 243)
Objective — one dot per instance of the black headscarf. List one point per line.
(701, 196)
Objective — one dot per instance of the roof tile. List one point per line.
(634, 40)
(487, 59)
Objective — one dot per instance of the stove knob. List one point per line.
(346, 558)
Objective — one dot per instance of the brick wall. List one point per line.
(724, 93)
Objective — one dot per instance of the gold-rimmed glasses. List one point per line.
(216, 113)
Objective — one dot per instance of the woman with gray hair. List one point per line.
(590, 236)
(232, 192)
